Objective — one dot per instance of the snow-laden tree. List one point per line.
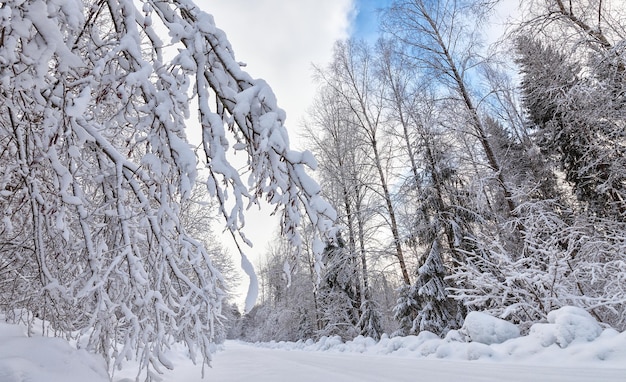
(288, 306)
(426, 305)
(443, 39)
(352, 79)
(571, 56)
(95, 109)
(438, 313)
(342, 152)
(198, 217)
(564, 259)
(437, 213)
(339, 292)
(579, 121)
(558, 246)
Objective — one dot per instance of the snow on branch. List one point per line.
(248, 107)
(93, 115)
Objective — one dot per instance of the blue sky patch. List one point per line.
(366, 21)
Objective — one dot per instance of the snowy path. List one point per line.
(242, 362)
(571, 347)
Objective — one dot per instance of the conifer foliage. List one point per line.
(579, 119)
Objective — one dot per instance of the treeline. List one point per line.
(465, 176)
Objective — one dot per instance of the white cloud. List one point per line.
(279, 40)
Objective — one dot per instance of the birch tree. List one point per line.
(351, 76)
(443, 38)
(346, 182)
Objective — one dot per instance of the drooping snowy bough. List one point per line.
(94, 117)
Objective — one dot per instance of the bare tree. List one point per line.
(346, 183)
(351, 76)
(443, 37)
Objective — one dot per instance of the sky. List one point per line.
(280, 40)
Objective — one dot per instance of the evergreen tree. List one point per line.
(370, 322)
(579, 120)
(406, 310)
(437, 312)
(338, 292)
(426, 305)
(442, 223)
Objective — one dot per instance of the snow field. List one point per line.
(45, 359)
(570, 346)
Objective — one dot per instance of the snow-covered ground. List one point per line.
(45, 359)
(570, 347)
(241, 362)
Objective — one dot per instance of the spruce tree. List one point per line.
(437, 312)
(578, 122)
(338, 292)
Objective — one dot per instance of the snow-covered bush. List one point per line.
(486, 329)
(561, 260)
(565, 326)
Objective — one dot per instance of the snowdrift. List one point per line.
(45, 359)
(571, 335)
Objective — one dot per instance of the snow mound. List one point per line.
(565, 326)
(570, 335)
(573, 324)
(485, 329)
(45, 359)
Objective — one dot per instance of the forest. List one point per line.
(465, 175)
(454, 171)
